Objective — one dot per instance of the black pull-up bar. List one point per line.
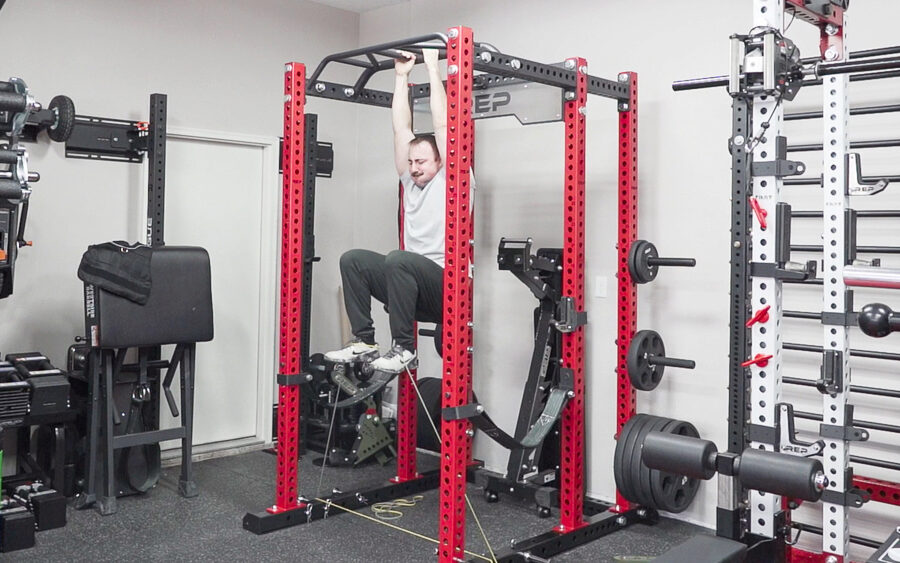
(487, 59)
(373, 65)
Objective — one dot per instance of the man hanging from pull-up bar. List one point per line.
(409, 282)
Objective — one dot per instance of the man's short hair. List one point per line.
(420, 139)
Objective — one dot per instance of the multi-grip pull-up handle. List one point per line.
(388, 50)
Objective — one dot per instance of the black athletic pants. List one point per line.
(411, 286)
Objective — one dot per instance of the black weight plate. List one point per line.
(644, 376)
(672, 492)
(651, 476)
(624, 449)
(640, 472)
(638, 261)
(632, 456)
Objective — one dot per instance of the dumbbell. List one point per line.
(761, 470)
(16, 526)
(647, 360)
(644, 261)
(877, 319)
(48, 505)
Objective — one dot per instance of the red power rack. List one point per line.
(464, 56)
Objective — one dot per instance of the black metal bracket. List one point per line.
(567, 318)
(763, 434)
(103, 138)
(846, 431)
(728, 462)
(462, 412)
(291, 379)
(566, 379)
(832, 373)
(792, 271)
(848, 318)
(782, 233)
(324, 158)
(783, 435)
(781, 166)
(851, 497)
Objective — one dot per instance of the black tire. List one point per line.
(430, 389)
(64, 107)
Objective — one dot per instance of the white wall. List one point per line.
(684, 206)
(221, 65)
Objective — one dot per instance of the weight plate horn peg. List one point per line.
(644, 261)
(647, 360)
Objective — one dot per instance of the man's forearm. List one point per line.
(400, 112)
(438, 99)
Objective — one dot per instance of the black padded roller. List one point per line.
(12, 101)
(10, 189)
(683, 455)
(781, 474)
(8, 156)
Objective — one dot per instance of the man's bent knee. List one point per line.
(352, 258)
(400, 258)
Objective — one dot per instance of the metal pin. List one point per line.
(320, 87)
(453, 33)
(287, 98)
(349, 92)
(623, 77)
(288, 68)
(516, 64)
(452, 70)
(485, 56)
(570, 64)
